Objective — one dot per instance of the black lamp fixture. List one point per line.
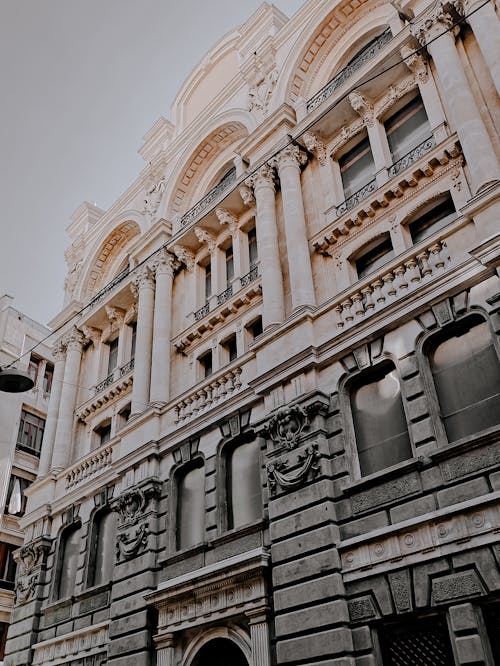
(13, 380)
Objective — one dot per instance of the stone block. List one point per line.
(364, 525)
(234, 547)
(143, 581)
(337, 444)
(127, 605)
(471, 461)
(418, 408)
(495, 480)
(47, 634)
(306, 567)
(366, 660)
(343, 509)
(129, 624)
(463, 618)
(136, 642)
(469, 650)
(142, 658)
(304, 520)
(463, 492)
(413, 386)
(82, 622)
(315, 645)
(64, 628)
(304, 497)
(416, 507)
(144, 562)
(21, 627)
(431, 478)
(408, 367)
(326, 587)
(423, 431)
(323, 537)
(333, 612)
(386, 492)
(21, 657)
(101, 615)
(361, 639)
(181, 566)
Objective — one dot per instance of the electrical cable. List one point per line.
(330, 108)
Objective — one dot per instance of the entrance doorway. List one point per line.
(220, 652)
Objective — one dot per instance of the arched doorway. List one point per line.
(220, 652)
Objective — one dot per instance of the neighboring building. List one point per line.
(289, 452)
(22, 422)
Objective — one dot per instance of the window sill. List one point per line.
(387, 474)
(243, 530)
(172, 558)
(468, 443)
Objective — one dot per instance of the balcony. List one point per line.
(115, 384)
(357, 197)
(412, 156)
(211, 198)
(92, 465)
(225, 295)
(361, 59)
(252, 275)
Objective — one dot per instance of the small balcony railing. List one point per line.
(366, 54)
(355, 198)
(116, 374)
(127, 367)
(199, 208)
(412, 156)
(104, 384)
(202, 312)
(210, 394)
(225, 295)
(250, 276)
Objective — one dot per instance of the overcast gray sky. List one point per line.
(82, 81)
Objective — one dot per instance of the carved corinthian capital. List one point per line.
(143, 278)
(362, 106)
(185, 256)
(263, 177)
(290, 156)
(91, 333)
(226, 217)
(59, 350)
(246, 193)
(206, 238)
(416, 63)
(165, 262)
(316, 146)
(436, 22)
(74, 339)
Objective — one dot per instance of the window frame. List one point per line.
(399, 108)
(60, 551)
(179, 471)
(21, 446)
(92, 549)
(351, 148)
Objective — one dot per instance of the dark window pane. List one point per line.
(252, 247)
(430, 221)
(3, 638)
(113, 356)
(407, 129)
(256, 327)
(357, 168)
(244, 489)
(47, 377)
(68, 563)
(206, 363)
(191, 508)
(380, 424)
(104, 549)
(7, 565)
(134, 338)
(229, 264)
(376, 255)
(467, 379)
(208, 281)
(30, 433)
(419, 643)
(231, 347)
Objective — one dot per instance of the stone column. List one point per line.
(267, 238)
(143, 282)
(165, 646)
(259, 635)
(160, 366)
(226, 217)
(382, 158)
(186, 257)
(483, 20)
(299, 260)
(59, 354)
(63, 438)
(434, 31)
(315, 145)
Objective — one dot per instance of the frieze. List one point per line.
(386, 492)
(74, 648)
(361, 609)
(278, 474)
(456, 586)
(470, 462)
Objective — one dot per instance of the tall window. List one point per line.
(253, 254)
(16, 500)
(191, 507)
(7, 565)
(47, 377)
(30, 435)
(229, 264)
(357, 168)
(69, 548)
(231, 348)
(379, 420)
(407, 128)
(244, 499)
(102, 554)
(133, 340)
(34, 367)
(255, 328)
(102, 434)
(113, 356)
(208, 281)
(206, 363)
(374, 255)
(433, 218)
(3, 638)
(466, 375)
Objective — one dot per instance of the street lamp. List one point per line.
(13, 380)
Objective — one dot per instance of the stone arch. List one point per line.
(108, 256)
(330, 42)
(232, 633)
(198, 163)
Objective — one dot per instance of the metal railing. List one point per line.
(355, 198)
(223, 296)
(202, 312)
(127, 367)
(196, 211)
(366, 54)
(117, 373)
(412, 156)
(250, 276)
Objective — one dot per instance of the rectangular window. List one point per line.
(231, 348)
(133, 341)
(30, 435)
(113, 356)
(427, 638)
(357, 168)
(255, 327)
(407, 129)
(47, 377)
(206, 363)
(7, 565)
(376, 254)
(208, 281)
(430, 221)
(229, 264)
(33, 368)
(103, 433)
(16, 500)
(252, 247)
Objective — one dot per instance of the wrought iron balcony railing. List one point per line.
(202, 312)
(116, 374)
(412, 156)
(250, 276)
(358, 196)
(223, 296)
(199, 208)
(104, 384)
(366, 54)
(127, 367)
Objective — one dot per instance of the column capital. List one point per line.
(315, 145)
(74, 339)
(290, 156)
(59, 350)
(263, 177)
(226, 217)
(416, 63)
(91, 333)
(185, 256)
(363, 107)
(436, 22)
(143, 278)
(114, 314)
(165, 262)
(206, 238)
(246, 193)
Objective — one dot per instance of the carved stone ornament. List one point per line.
(114, 314)
(185, 256)
(72, 278)
(25, 588)
(286, 426)
(74, 339)
(143, 277)
(289, 480)
(435, 23)
(261, 89)
(153, 197)
(246, 193)
(91, 333)
(316, 146)
(226, 217)
(28, 557)
(290, 156)
(131, 505)
(362, 106)
(165, 262)
(131, 542)
(416, 63)
(206, 238)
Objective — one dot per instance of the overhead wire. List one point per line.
(254, 170)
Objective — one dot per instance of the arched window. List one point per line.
(379, 419)
(102, 549)
(243, 489)
(466, 373)
(220, 651)
(432, 217)
(374, 255)
(191, 506)
(69, 548)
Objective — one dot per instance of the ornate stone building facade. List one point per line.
(274, 431)
(22, 422)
